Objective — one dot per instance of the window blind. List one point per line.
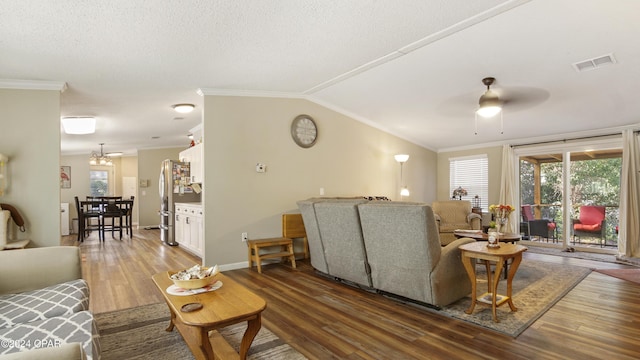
(472, 174)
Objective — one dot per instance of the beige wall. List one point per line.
(148, 198)
(349, 159)
(494, 156)
(79, 181)
(30, 137)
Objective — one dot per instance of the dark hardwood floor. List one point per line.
(598, 319)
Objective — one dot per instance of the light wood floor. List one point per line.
(598, 319)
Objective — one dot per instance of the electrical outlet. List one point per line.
(244, 237)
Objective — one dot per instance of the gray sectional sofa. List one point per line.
(44, 305)
(389, 246)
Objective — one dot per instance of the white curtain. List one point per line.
(629, 237)
(508, 185)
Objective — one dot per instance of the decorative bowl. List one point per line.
(195, 283)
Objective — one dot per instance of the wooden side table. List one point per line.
(286, 251)
(292, 227)
(480, 251)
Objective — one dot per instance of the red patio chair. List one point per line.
(591, 222)
(537, 227)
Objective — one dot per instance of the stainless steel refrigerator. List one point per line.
(174, 187)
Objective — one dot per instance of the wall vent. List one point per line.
(594, 63)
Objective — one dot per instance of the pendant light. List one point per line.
(101, 159)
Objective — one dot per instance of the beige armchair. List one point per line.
(452, 215)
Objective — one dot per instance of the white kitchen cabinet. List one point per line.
(193, 156)
(178, 223)
(188, 227)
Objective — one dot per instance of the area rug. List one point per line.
(610, 258)
(632, 275)
(139, 333)
(537, 286)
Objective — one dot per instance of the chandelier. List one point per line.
(101, 159)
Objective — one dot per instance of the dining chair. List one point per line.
(127, 210)
(86, 213)
(109, 208)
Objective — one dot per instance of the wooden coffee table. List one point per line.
(230, 304)
(479, 250)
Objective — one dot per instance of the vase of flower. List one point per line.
(502, 224)
(501, 215)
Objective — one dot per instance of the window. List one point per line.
(472, 174)
(99, 182)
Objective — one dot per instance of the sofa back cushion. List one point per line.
(36, 268)
(341, 234)
(403, 247)
(592, 215)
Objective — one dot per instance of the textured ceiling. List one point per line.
(412, 68)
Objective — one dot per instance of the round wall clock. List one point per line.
(304, 131)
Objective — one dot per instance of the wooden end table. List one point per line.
(480, 251)
(483, 236)
(230, 304)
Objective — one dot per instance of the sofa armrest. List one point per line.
(451, 253)
(450, 256)
(36, 268)
(473, 216)
(475, 221)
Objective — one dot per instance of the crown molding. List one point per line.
(249, 93)
(33, 85)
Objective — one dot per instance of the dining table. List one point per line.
(106, 206)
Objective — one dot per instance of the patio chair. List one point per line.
(542, 228)
(591, 222)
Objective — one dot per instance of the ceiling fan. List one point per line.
(506, 97)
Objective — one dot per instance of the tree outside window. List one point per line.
(99, 182)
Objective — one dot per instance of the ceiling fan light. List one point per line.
(489, 111)
(79, 125)
(490, 105)
(183, 108)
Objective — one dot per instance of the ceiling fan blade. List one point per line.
(516, 98)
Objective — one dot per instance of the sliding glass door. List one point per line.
(590, 176)
(541, 185)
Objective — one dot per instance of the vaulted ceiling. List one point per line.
(412, 68)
